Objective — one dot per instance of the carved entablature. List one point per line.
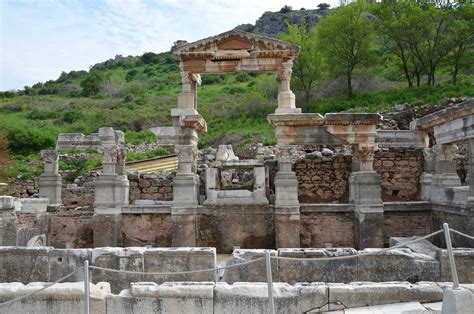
(449, 125)
(235, 51)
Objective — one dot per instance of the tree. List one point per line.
(309, 67)
(461, 30)
(91, 84)
(391, 25)
(323, 6)
(345, 39)
(286, 9)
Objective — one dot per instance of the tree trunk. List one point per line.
(349, 84)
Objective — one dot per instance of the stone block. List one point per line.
(464, 260)
(460, 301)
(59, 298)
(65, 261)
(292, 271)
(8, 231)
(178, 297)
(253, 297)
(287, 227)
(107, 228)
(368, 226)
(128, 259)
(179, 260)
(34, 205)
(398, 264)
(359, 294)
(20, 264)
(7, 203)
(250, 272)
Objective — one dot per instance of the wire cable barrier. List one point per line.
(401, 245)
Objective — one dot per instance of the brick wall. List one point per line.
(152, 187)
(406, 224)
(323, 179)
(399, 171)
(336, 228)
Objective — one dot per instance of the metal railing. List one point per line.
(271, 302)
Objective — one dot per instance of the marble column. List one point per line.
(50, 182)
(286, 98)
(185, 197)
(287, 206)
(445, 172)
(365, 194)
(187, 96)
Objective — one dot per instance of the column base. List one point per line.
(364, 188)
(50, 187)
(286, 190)
(457, 301)
(439, 184)
(107, 227)
(287, 227)
(368, 227)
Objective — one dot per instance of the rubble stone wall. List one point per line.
(152, 187)
(406, 224)
(323, 179)
(399, 171)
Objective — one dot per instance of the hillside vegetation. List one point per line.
(137, 92)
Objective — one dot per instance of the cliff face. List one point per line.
(273, 23)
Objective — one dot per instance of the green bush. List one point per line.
(41, 114)
(91, 84)
(136, 138)
(26, 138)
(72, 116)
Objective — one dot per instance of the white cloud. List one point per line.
(39, 39)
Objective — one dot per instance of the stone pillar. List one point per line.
(365, 194)
(287, 206)
(470, 199)
(445, 172)
(426, 176)
(185, 197)
(186, 99)
(50, 182)
(111, 192)
(286, 98)
(8, 232)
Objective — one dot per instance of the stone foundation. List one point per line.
(208, 297)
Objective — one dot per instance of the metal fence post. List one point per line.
(86, 287)
(271, 304)
(454, 273)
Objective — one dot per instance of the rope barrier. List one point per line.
(461, 234)
(176, 273)
(44, 288)
(235, 265)
(361, 254)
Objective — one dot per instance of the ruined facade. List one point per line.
(331, 181)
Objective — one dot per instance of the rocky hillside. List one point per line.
(273, 23)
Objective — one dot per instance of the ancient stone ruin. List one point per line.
(334, 185)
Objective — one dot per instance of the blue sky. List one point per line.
(41, 38)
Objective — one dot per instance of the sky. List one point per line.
(41, 38)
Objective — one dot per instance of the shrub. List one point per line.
(131, 75)
(6, 161)
(25, 138)
(72, 116)
(70, 90)
(40, 114)
(136, 138)
(91, 84)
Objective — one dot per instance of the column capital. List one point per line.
(50, 155)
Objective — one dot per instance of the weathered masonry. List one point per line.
(331, 181)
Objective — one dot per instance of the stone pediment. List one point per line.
(235, 45)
